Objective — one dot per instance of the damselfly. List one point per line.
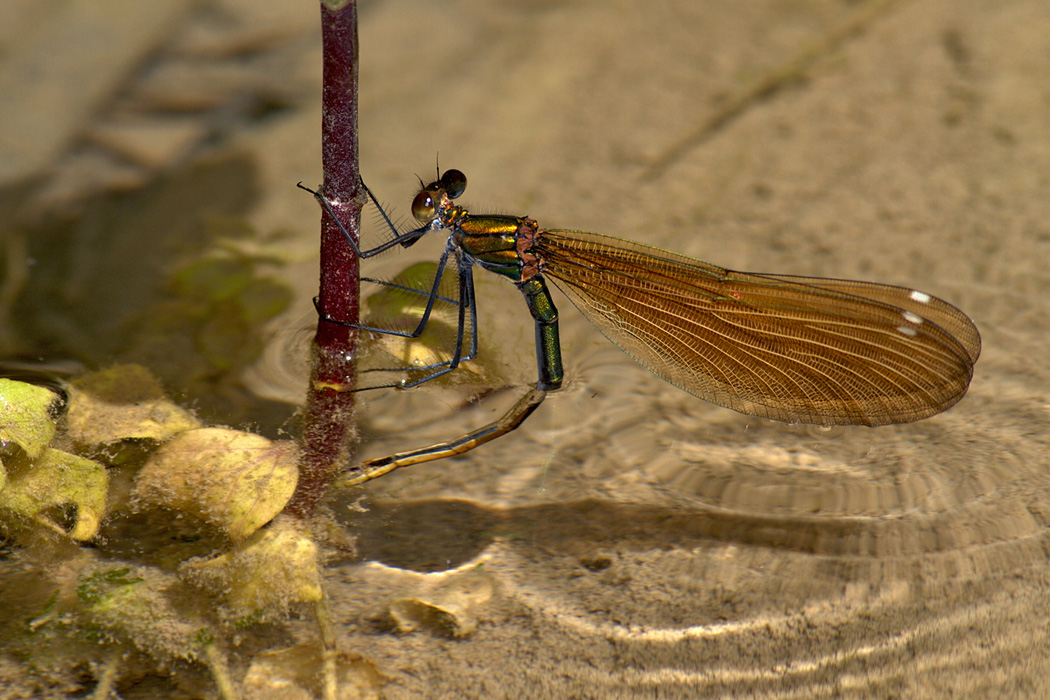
(794, 349)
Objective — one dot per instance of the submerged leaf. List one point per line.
(59, 490)
(263, 299)
(213, 278)
(26, 419)
(233, 480)
(131, 603)
(274, 568)
(448, 608)
(228, 300)
(296, 672)
(122, 403)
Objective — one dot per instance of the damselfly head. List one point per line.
(425, 206)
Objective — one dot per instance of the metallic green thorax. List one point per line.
(503, 244)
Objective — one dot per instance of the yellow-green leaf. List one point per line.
(274, 568)
(122, 403)
(234, 480)
(25, 417)
(54, 486)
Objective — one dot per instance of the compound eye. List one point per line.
(453, 182)
(423, 207)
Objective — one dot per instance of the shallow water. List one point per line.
(630, 540)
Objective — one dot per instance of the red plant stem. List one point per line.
(327, 423)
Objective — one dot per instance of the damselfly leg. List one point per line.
(464, 302)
